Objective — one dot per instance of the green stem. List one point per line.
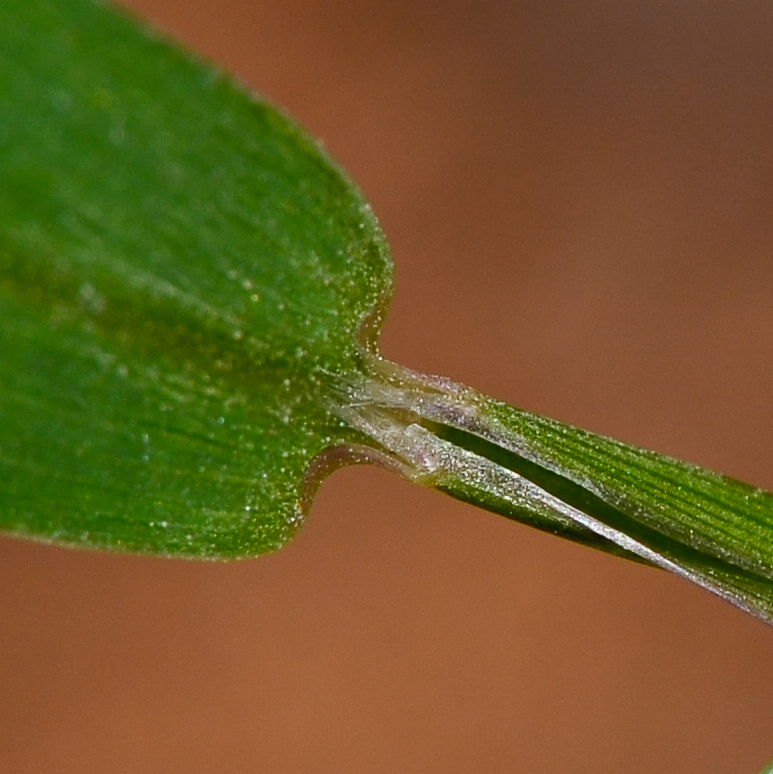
(447, 436)
(768, 769)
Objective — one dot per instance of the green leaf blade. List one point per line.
(180, 271)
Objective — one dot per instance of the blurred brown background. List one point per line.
(578, 197)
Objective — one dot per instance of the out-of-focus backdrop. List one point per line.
(578, 196)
